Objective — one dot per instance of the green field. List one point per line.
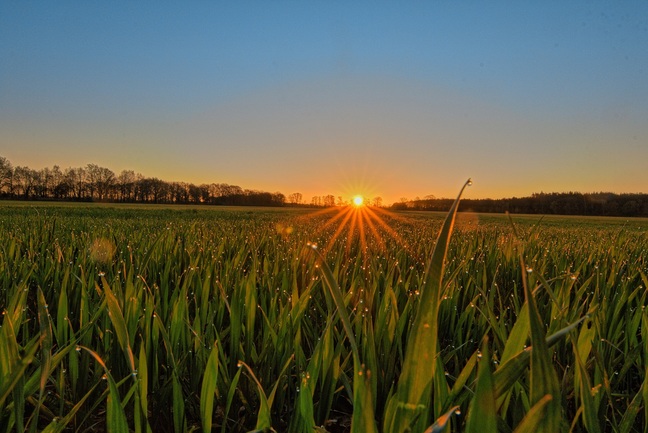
(162, 318)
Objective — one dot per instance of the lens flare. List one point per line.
(358, 200)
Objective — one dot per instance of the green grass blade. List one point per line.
(115, 415)
(519, 335)
(459, 387)
(587, 401)
(534, 416)
(544, 380)
(264, 418)
(59, 425)
(9, 382)
(230, 397)
(510, 372)
(179, 415)
(207, 392)
(626, 424)
(143, 386)
(644, 335)
(117, 319)
(363, 409)
(411, 402)
(482, 416)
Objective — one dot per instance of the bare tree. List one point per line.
(6, 176)
(295, 198)
(25, 181)
(76, 179)
(100, 181)
(329, 200)
(126, 184)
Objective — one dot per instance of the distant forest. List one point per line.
(570, 203)
(93, 183)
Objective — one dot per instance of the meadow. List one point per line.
(145, 319)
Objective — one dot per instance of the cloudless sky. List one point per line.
(397, 99)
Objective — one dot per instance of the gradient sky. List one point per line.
(389, 99)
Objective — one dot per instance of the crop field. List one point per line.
(146, 319)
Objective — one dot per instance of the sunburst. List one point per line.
(361, 222)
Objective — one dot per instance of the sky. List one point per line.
(389, 99)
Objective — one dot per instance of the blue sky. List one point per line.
(397, 100)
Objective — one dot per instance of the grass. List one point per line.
(190, 319)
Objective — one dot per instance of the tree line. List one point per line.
(95, 183)
(569, 203)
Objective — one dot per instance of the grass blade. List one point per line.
(363, 410)
(533, 418)
(544, 380)
(482, 416)
(117, 319)
(208, 390)
(411, 402)
(115, 415)
(441, 423)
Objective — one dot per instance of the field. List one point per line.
(147, 318)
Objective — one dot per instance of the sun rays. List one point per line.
(369, 226)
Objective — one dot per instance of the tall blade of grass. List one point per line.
(12, 317)
(178, 407)
(515, 342)
(115, 415)
(117, 319)
(46, 351)
(10, 380)
(264, 419)
(363, 409)
(142, 385)
(534, 416)
(510, 372)
(59, 425)
(230, 398)
(583, 349)
(179, 416)
(271, 397)
(626, 423)
(459, 387)
(482, 416)
(208, 390)
(644, 336)
(411, 403)
(519, 335)
(544, 380)
(587, 401)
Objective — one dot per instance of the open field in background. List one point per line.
(167, 318)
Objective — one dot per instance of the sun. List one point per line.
(358, 201)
